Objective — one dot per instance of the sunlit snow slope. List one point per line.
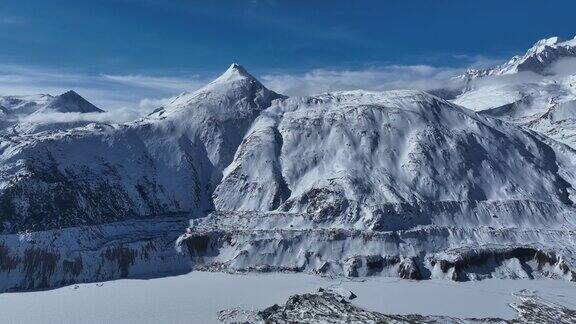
(536, 90)
(399, 183)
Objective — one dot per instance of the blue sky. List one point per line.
(121, 52)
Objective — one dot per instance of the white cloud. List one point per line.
(119, 115)
(129, 96)
(563, 67)
(123, 95)
(151, 103)
(478, 61)
(422, 77)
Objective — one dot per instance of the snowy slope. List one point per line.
(217, 116)
(164, 164)
(531, 90)
(23, 105)
(390, 147)
(537, 59)
(518, 101)
(69, 101)
(400, 183)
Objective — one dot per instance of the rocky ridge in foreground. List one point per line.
(327, 306)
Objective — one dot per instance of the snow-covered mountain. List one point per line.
(536, 90)
(23, 105)
(165, 164)
(20, 114)
(358, 183)
(537, 59)
(69, 101)
(358, 150)
(73, 184)
(364, 183)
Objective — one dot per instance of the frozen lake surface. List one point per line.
(198, 296)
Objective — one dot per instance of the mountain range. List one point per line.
(236, 177)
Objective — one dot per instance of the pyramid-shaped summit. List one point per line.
(235, 84)
(235, 72)
(71, 101)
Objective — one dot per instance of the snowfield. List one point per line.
(198, 297)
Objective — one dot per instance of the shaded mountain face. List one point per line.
(165, 164)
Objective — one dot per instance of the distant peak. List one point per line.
(551, 41)
(71, 101)
(70, 94)
(537, 59)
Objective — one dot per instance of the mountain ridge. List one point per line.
(537, 59)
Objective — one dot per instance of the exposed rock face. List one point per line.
(507, 262)
(53, 258)
(409, 270)
(288, 242)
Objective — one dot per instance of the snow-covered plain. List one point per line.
(197, 297)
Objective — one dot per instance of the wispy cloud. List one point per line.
(563, 67)
(129, 96)
(179, 84)
(422, 77)
(12, 20)
(118, 115)
(125, 96)
(477, 61)
(151, 103)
